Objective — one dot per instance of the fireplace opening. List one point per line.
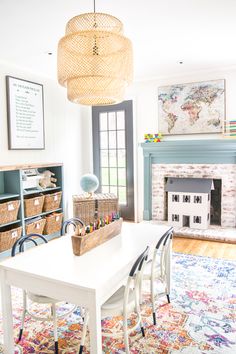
(215, 206)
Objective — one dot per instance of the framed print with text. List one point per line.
(25, 114)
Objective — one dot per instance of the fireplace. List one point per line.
(223, 197)
(214, 159)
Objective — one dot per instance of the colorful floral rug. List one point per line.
(201, 318)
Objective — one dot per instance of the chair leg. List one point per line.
(126, 338)
(154, 318)
(23, 316)
(54, 315)
(86, 319)
(142, 330)
(168, 298)
(153, 302)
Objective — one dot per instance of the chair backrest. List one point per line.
(164, 247)
(135, 278)
(73, 221)
(27, 238)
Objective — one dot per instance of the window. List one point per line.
(186, 198)
(175, 198)
(113, 153)
(197, 199)
(175, 217)
(197, 219)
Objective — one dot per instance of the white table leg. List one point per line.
(8, 340)
(95, 329)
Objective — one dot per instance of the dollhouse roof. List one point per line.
(189, 185)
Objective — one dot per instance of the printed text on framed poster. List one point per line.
(25, 114)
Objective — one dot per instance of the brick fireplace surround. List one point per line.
(214, 159)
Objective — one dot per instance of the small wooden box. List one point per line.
(83, 244)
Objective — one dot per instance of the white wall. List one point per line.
(65, 139)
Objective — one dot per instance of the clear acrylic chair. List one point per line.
(158, 269)
(122, 303)
(37, 298)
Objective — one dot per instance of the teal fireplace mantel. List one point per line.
(183, 152)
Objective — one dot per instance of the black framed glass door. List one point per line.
(113, 153)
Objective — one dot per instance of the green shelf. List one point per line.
(11, 188)
(4, 196)
(44, 213)
(10, 223)
(35, 191)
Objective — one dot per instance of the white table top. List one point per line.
(95, 269)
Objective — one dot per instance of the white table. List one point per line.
(89, 280)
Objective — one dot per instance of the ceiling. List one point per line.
(199, 33)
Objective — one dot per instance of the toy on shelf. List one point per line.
(153, 138)
(47, 180)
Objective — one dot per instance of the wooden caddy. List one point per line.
(83, 244)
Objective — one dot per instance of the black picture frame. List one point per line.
(25, 114)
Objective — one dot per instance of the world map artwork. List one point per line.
(191, 108)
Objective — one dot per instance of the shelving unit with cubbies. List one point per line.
(11, 189)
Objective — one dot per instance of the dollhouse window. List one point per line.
(197, 199)
(175, 198)
(186, 198)
(197, 219)
(175, 217)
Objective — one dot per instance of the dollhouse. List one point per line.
(189, 202)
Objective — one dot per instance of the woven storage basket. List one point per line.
(53, 223)
(33, 206)
(52, 201)
(8, 236)
(35, 227)
(97, 206)
(9, 211)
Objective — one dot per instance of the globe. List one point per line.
(89, 183)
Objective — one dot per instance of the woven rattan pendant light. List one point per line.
(95, 59)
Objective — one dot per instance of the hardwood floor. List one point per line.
(204, 248)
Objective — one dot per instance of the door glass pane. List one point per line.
(103, 121)
(112, 139)
(105, 189)
(121, 155)
(105, 176)
(112, 120)
(113, 190)
(121, 139)
(103, 140)
(122, 195)
(104, 158)
(120, 120)
(121, 176)
(113, 176)
(112, 158)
